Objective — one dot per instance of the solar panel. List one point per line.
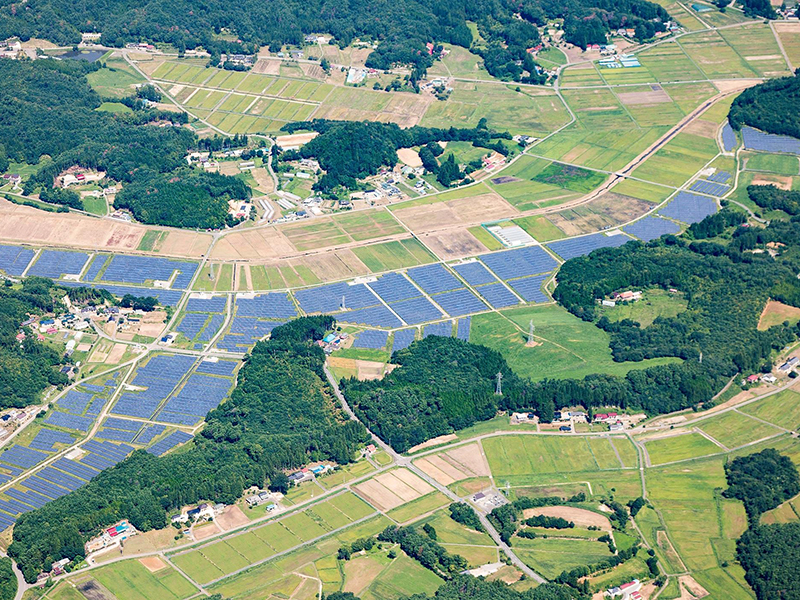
(530, 288)
(497, 295)
(729, 142)
(75, 468)
(116, 435)
(474, 273)
(168, 443)
(519, 263)
(14, 259)
(768, 142)
(149, 433)
(97, 264)
(221, 367)
(371, 338)
(582, 246)
(56, 263)
(689, 208)
(441, 329)
(177, 418)
(393, 287)
(434, 278)
(37, 484)
(459, 302)
(164, 297)
(719, 177)
(462, 329)
(416, 310)
(652, 228)
(59, 478)
(140, 269)
(709, 187)
(46, 438)
(33, 498)
(215, 304)
(22, 456)
(73, 401)
(276, 305)
(403, 339)
(328, 298)
(375, 316)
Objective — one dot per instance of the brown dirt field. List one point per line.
(651, 97)
(580, 516)
(777, 312)
(442, 439)
(702, 128)
(472, 210)
(787, 25)
(733, 85)
(206, 530)
(429, 468)
(267, 67)
(265, 183)
(267, 242)
(150, 329)
(781, 181)
(296, 139)
(507, 574)
(453, 244)
(447, 467)
(232, 517)
(398, 487)
(410, 157)
(369, 370)
(608, 210)
(359, 573)
(469, 459)
(313, 71)
(116, 354)
(416, 483)
(331, 266)
(377, 495)
(152, 563)
(26, 224)
(157, 539)
(695, 589)
(229, 167)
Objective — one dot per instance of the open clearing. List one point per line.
(776, 313)
(390, 490)
(580, 516)
(460, 463)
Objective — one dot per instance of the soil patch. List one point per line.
(453, 244)
(580, 516)
(232, 517)
(410, 157)
(777, 312)
(779, 181)
(152, 563)
(442, 439)
(652, 97)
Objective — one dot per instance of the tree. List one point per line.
(279, 483)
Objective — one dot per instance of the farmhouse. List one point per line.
(625, 591)
(627, 296)
(789, 364)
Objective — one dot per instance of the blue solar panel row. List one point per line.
(200, 394)
(115, 435)
(75, 402)
(97, 264)
(95, 389)
(441, 329)
(56, 263)
(403, 339)
(393, 287)
(14, 507)
(651, 228)
(175, 418)
(108, 450)
(768, 142)
(474, 273)
(14, 259)
(462, 329)
(165, 297)
(191, 324)
(497, 295)
(459, 302)
(709, 187)
(582, 246)
(46, 438)
(375, 316)
(719, 177)
(434, 278)
(530, 288)
(221, 367)
(75, 468)
(69, 421)
(276, 305)
(246, 331)
(96, 406)
(160, 376)
(328, 298)
(124, 424)
(371, 338)
(215, 304)
(416, 310)
(728, 138)
(149, 433)
(67, 481)
(508, 264)
(99, 462)
(23, 457)
(139, 269)
(33, 498)
(211, 329)
(689, 208)
(168, 443)
(37, 484)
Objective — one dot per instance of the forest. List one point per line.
(771, 197)
(762, 481)
(8, 581)
(349, 151)
(770, 106)
(245, 441)
(402, 27)
(28, 367)
(48, 118)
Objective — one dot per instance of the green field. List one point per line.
(782, 409)
(551, 556)
(390, 256)
(540, 228)
(420, 506)
(678, 160)
(733, 429)
(654, 303)
(680, 447)
(130, 580)
(781, 164)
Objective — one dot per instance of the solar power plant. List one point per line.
(651, 228)
(75, 402)
(709, 187)
(149, 433)
(34, 499)
(98, 261)
(164, 297)
(441, 329)
(160, 376)
(403, 339)
(768, 142)
(44, 487)
(116, 435)
(46, 438)
(474, 273)
(22, 457)
(176, 418)
(689, 208)
(416, 310)
(6, 522)
(719, 177)
(14, 259)
(371, 338)
(14, 507)
(582, 246)
(124, 424)
(375, 316)
(519, 263)
(530, 288)
(191, 324)
(96, 406)
(53, 476)
(75, 468)
(200, 394)
(221, 367)
(328, 298)
(211, 329)
(267, 306)
(55, 263)
(69, 421)
(95, 389)
(108, 450)
(13, 470)
(139, 269)
(4, 478)
(393, 287)
(728, 137)
(168, 443)
(215, 304)
(462, 329)
(434, 278)
(497, 295)
(233, 343)
(252, 328)
(459, 302)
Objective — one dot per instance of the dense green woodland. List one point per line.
(403, 27)
(762, 481)
(29, 367)
(246, 441)
(771, 197)
(770, 106)
(8, 581)
(48, 117)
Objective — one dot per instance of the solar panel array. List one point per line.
(728, 138)
(164, 297)
(444, 329)
(56, 263)
(116, 435)
(124, 424)
(474, 273)
(168, 443)
(434, 278)
(375, 316)
(768, 142)
(711, 188)
(651, 228)
(328, 298)
(393, 287)
(14, 259)
(582, 246)
(459, 302)
(416, 310)
(94, 268)
(268, 306)
(244, 332)
(215, 304)
(149, 433)
(104, 455)
(74, 401)
(530, 288)
(689, 208)
(45, 439)
(159, 376)
(462, 329)
(403, 339)
(372, 339)
(719, 177)
(211, 329)
(509, 264)
(60, 419)
(22, 457)
(196, 398)
(139, 269)
(497, 295)
(220, 367)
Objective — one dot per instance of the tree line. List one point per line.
(770, 106)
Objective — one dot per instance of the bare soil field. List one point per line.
(731, 85)
(206, 530)
(460, 463)
(781, 181)
(580, 516)
(232, 517)
(652, 97)
(389, 490)
(296, 139)
(331, 266)
(267, 67)
(694, 589)
(472, 210)
(266, 242)
(702, 128)
(116, 354)
(442, 439)
(777, 312)
(453, 244)
(410, 157)
(152, 563)
(607, 210)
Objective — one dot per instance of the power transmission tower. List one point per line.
(211, 271)
(342, 305)
(531, 329)
(498, 390)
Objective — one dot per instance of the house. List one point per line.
(752, 378)
(617, 426)
(789, 364)
(603, 417)
(179, 518)
(769, 378)
(625, 591)
(627, 296)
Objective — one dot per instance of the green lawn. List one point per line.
(551, 556)
(654, 303)
(782, 409)
(130, 580)
(680, 447)
(733, 429)
(418, 507)
(781, 164)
